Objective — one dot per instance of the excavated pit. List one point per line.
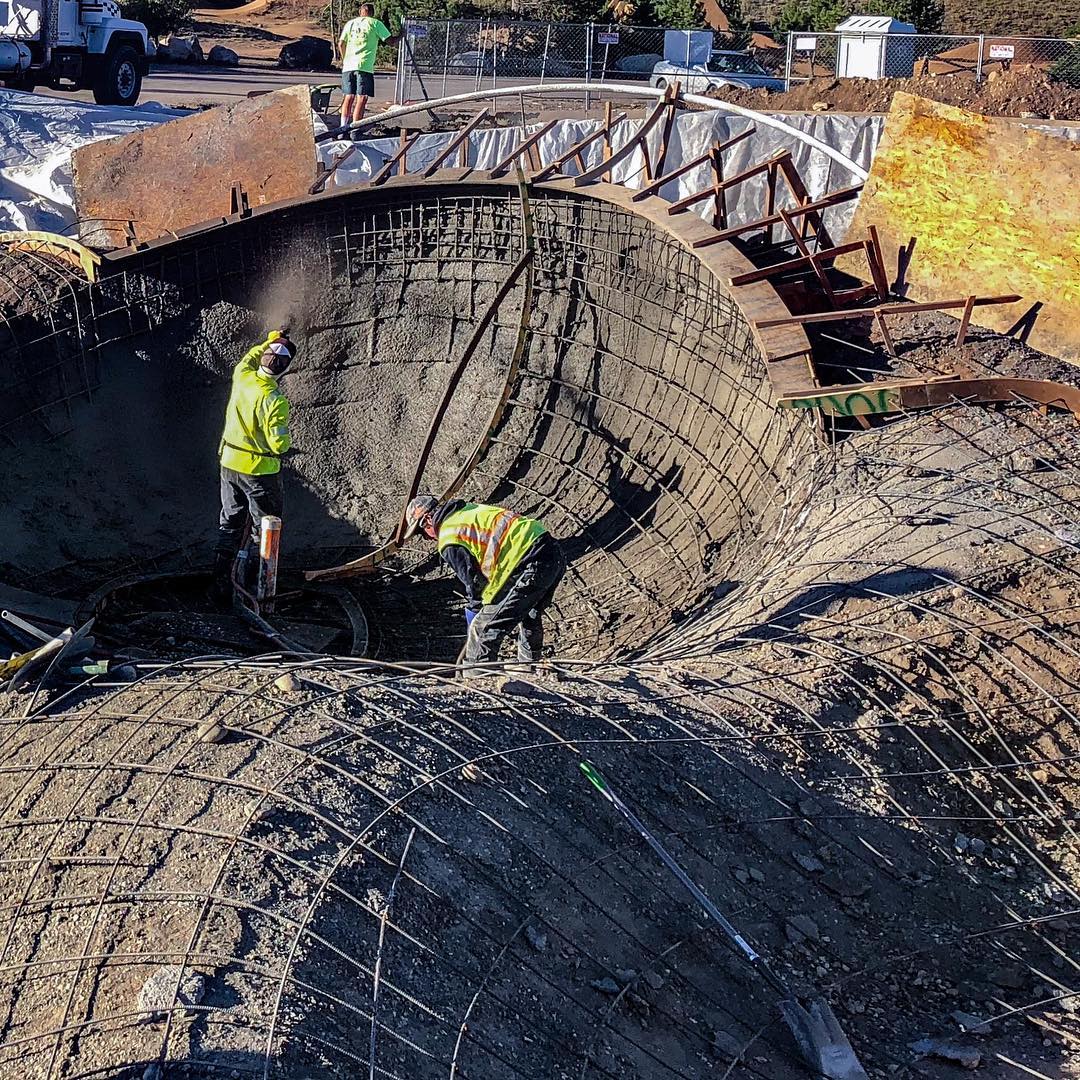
(639, 428)
(839, 684)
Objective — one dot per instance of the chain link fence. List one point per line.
(901, 56)
(440, 57)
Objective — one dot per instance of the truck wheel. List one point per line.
(118, 81)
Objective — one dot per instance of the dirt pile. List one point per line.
(1024, 91)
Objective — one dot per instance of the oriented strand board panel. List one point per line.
(993, 207)
(181, 173)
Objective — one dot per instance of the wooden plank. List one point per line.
(965, 319)
(624, 151)
(575, 150)
(800, 243)
(656, 185)
(794, 264)
(887, 309)
(503, 167)
(460, 139)
(987, 201)
(401, 155)
(833, 199)
(739, 178)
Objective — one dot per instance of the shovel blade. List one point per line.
(821, 1040)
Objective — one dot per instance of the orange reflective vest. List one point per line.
(498, 539)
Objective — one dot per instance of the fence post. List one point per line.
(399, 77)
(588, 63)
(446, 55)
(543, 62)
(979, 62)
(788, 59)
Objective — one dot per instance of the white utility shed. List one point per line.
(875, 47)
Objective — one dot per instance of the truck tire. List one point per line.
(118, 80)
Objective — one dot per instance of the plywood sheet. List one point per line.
(974, 204)
(182, 173)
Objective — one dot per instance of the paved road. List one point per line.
(192, 86)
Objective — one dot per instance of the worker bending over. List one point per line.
(256, 435)
(509, 565)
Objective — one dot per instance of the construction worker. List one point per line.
(256, 435)
(509, 566)
(360, 38)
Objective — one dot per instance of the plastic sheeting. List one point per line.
(37, 136)
(692, 135)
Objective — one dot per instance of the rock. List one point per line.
(288, 683)
(727, 1046)
(1010, 977)
(210, 732)
(809, 863)
(960, 842)
(536, 938)
(307, 54)
(740, 875)
(606, 985)
(654, 980)
(156, 996)
(821, 106)
(844, 885)
(800, 928)
(948, 1050)
(756, 874)
(180, 50)
(977, 846)
(152, 1072)
(626, 975)
(222, 56)
(970, 1023)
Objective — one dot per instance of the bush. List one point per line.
(160, 17)
(1067, 69)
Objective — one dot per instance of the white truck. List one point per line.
(73, 45)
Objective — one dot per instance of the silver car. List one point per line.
(726, 67)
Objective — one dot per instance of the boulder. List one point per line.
(307, 54)
(223, 57)
(180, 50)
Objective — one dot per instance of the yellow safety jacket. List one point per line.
(256, 419)
(498, 539)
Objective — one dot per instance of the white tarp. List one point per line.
(37, 136)
(692, 135)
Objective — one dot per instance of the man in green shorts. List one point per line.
(360, 38)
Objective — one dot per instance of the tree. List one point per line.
(926, 16)
(1067, 69)
(679, 14)
(160, 17)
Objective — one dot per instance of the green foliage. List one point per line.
(925, 15)
(160, 17)
(679, 14)
(1067, 69)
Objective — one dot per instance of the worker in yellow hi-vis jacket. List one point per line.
(255, 437)
(509, 565)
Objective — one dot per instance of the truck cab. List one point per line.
(73, 45)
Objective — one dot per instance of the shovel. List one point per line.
(818, 1034)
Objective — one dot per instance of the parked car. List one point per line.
(512, 65)
(726, 67)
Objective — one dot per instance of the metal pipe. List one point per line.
(269, 548)
(612, 88)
